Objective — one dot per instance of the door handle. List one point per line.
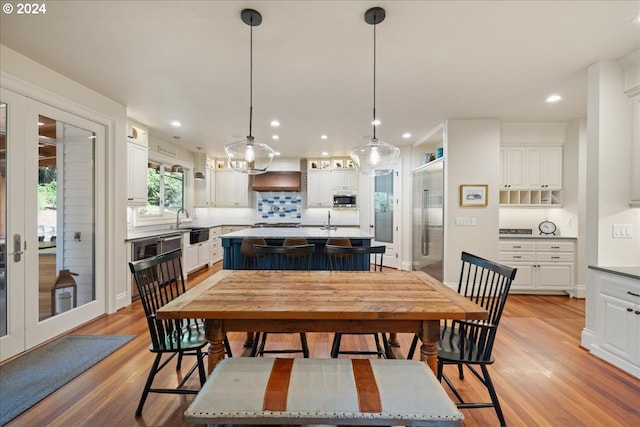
(17, 248)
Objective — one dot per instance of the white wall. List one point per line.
(472, 155)
(609, 133)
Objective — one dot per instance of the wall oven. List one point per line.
(145, 248)
(344, 201)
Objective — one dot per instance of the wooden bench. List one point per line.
(247, 390)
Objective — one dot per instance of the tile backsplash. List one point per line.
(279, 207)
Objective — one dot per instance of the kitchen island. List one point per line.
(233, 259)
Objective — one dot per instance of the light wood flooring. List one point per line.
(542, 375)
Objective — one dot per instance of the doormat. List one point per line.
(30, 378)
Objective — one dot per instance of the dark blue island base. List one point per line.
(234, 260)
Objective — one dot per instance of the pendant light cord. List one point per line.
(374, 80)
(251, 75)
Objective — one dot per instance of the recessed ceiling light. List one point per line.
(275, 137)
(176, 124)
(406, 135)
(323, 137)
(324, 153)
(277, 153)
(554, 98)
(376, 122)
(275, 123)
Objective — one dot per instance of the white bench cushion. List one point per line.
(323, 391)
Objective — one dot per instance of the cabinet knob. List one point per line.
(637, 312)
(629, 309)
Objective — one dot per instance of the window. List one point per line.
(165, 191)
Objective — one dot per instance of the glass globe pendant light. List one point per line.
(250, 156)
(376, 157)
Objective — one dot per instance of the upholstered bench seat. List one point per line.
(323, 391)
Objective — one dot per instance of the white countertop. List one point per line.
(306, 232)
(533, 236)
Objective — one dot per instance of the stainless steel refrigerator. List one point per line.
(428, 218)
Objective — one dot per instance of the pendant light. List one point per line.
(376, 157)
(250, 156)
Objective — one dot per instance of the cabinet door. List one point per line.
(552, 168)
(534, 167)
(204, 253)
(319, 189)
(202, 190)
(344, 180)
(514, 167)
(137, 174)
(555, 276)
(190, 257)
(619, 327)
(524, 277)
(232, 189)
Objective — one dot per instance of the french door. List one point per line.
(51, 183)
(385, 215)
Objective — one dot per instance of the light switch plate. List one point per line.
(622, 231)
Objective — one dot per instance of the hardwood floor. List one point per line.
(542, 376)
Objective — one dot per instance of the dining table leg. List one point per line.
(215, 336)
(429, 348)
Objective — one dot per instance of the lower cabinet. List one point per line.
(195, 256)
(215, 244)
(617, 325)
(543, 264)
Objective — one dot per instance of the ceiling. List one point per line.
(313, 64)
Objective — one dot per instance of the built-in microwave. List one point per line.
(344, 201)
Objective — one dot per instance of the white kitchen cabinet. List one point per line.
(617, 321)
(137, 158)
(543, 168)
(231, 189)
(204, 190)
(544, 265)
(195, 256)
(344, 180)
(319, 189)
(531, 175)
(215, 244)
(512, 161)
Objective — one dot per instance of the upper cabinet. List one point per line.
(319, 190)
(531, 175)
(204, 190)
(531, 168)
(204, 187)
(232, 189)
(137, 158)
(344, 180)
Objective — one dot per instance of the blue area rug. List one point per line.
(30, 378)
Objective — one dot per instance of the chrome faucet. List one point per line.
(186, 212)
(328, 220)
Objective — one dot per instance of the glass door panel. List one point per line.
(384, 221)
(65, 217)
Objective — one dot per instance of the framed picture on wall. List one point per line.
(474, 195)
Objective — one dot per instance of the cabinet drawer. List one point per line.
(517, 246)
(619, 288)
(555, 256)
(517, 256)
(215, 231)
(555, 246)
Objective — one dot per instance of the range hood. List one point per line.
(277, 181)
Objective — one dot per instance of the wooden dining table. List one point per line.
(322, 301)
